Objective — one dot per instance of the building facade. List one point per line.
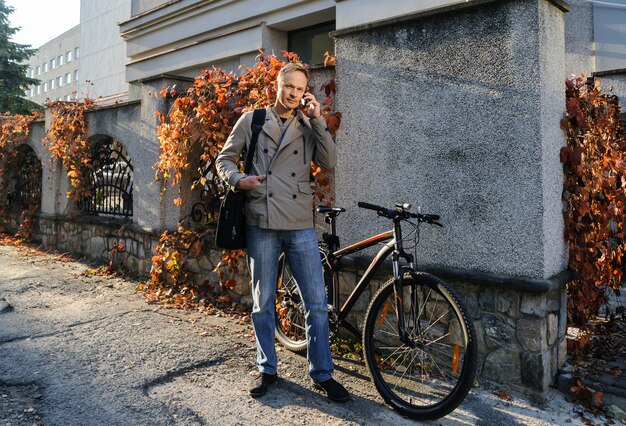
(185, 37)
(102, 73)
(103, 52)
(56, 65)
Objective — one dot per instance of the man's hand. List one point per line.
(312, 109)
(250, 182)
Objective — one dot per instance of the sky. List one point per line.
(42, 20)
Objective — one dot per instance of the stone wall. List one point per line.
(520, 327)
(92, 238)
(521, 334)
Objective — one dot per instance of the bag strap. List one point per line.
(258, 119)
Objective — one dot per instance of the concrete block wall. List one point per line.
(459, 112)
(579, 47)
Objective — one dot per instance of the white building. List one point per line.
(56, 66)
(103, 53)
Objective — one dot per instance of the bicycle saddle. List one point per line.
(334, 211)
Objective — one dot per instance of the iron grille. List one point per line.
(206, 210)
(25, 184)
(111, 181)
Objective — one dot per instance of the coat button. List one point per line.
(296, 152)
(269, 173)
(265, 150)
(270, 195)
(294, 196)
(293, 175)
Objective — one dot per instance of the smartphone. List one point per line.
(304, 104)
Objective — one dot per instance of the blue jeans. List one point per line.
(300, 247)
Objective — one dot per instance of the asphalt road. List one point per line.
(81, 349)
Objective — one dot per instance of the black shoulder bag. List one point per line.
(231, 223)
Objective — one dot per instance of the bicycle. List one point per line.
(419, 343)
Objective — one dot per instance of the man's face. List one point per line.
(291, 89)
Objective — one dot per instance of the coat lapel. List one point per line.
(295, 130)
(271, 127)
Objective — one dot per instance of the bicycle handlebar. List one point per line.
(369, 206)
(400, 212)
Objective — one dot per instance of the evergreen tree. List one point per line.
(13, 67)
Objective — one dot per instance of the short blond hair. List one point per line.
(293, 66)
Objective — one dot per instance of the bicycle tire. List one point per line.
(430, 379)
(290, 319)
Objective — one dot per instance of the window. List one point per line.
(45, 67)
(68, 78)
(76, 52)
(60, 81)
(68, 56)
(75, 75)
(60, 60)
(38, 70)
(311, 43)
(45, 87)
(39, 89)
(26, 93)
(68, 97)
(51, 84)
(53, 63)
(32, 92)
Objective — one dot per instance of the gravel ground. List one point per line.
(81, 349)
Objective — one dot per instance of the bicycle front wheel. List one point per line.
(428, 376)
(290, 319)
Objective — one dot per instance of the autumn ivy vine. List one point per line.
(67, 141)
(14, 131)
(594, 162)
(190, 137)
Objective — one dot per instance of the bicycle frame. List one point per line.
(331, 263)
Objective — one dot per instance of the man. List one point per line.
(279, 217)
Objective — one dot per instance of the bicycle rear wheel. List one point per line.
(290, 320)
(431, 375)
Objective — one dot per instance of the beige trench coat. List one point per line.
(284, 200)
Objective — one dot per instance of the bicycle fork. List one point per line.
(398, 281)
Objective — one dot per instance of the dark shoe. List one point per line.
(261, 385)
(334, 390)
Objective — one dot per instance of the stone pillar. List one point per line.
(458, 110)
(579, 47)
(55, 185)
(155, 209)
(48, 194)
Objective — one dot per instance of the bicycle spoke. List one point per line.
(426, 369)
